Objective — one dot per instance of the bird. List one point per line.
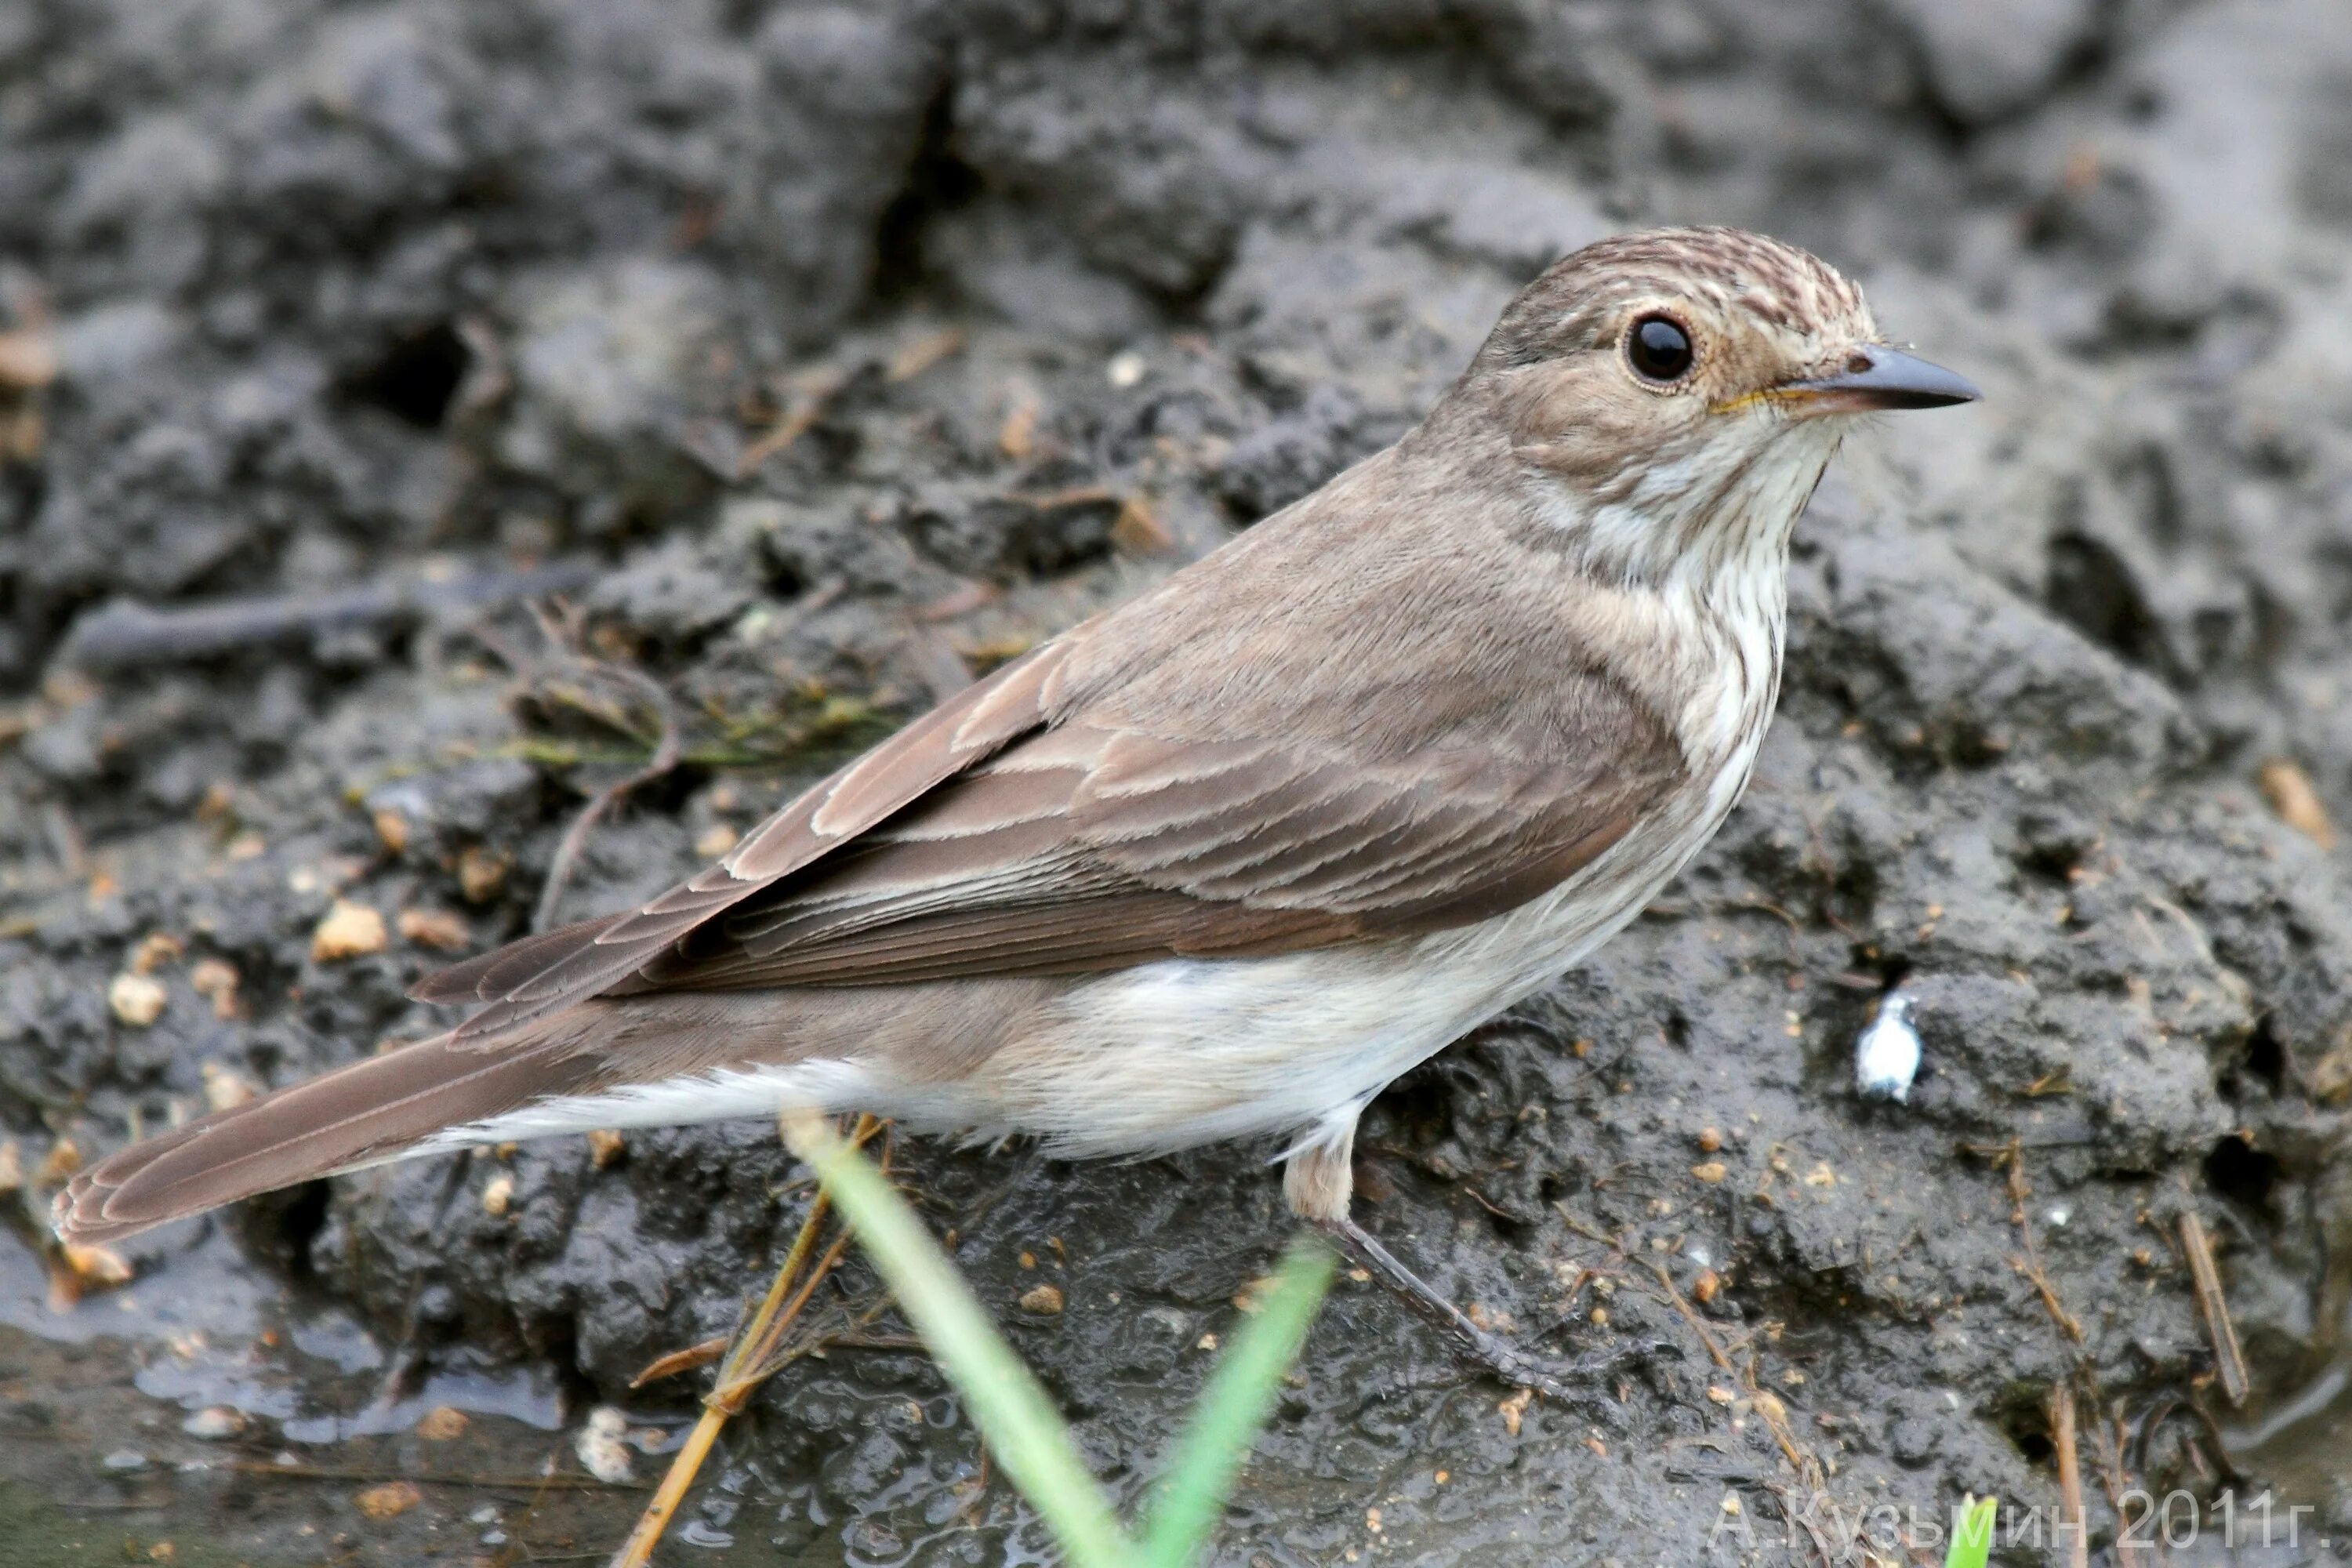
(1224, 860)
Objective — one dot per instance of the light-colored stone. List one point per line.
(349, 931)
(135, 999)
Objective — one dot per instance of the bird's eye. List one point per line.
(1659, 348)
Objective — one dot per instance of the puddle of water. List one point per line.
(206, 1328)
(2300, 1438)
(97, 1465)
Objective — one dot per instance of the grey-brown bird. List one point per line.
(1225, 860)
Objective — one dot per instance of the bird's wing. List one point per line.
(535, 977)
(981, 841)
(1297, 741)
(1096, 846)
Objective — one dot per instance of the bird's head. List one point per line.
(1671, 397)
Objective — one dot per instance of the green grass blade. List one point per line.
(1234, 1405)
(1972, 1533)
(1022, 1429)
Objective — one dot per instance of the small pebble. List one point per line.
(214, 980)
(1886, 1057)
(214, 1423)
(349, 931)
(388, 1500)
(2290, 794)
(125, 1460)
(436, 929)
(603, 1445)
(28, 359)
(1044, 1299)
(154, 950)
(225, 1087)
(441, 1424)
(136, 999)
(1125, 369)
(499, 1195)
(392, 829)
(97, 1267)
(481, 872)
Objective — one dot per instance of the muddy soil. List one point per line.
(828, 355)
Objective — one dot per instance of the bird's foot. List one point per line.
(1578, 1381)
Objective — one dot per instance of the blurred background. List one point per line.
(421, 422)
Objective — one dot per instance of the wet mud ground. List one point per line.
(830, 355)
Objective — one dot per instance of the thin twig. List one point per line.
(1803, 1517)
(795, 422)
(360, 1473)
(2071, 1524)
(2130, 1552)
(575, 837)
(755, 1356)
(676, 1361)
(1690, 1315)
(125, 635)
(2228, 1360)
(2030, 1265)
(1767, 1404)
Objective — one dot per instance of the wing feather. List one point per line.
(1161, 848)
(594, 955)
(1056, 820)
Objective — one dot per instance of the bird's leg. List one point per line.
(1318, 1182)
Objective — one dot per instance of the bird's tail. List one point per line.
(372, 1113)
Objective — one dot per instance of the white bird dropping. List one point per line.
(1886, 1057)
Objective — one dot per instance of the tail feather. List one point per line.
(370, 1112)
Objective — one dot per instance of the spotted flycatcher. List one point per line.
(1225, 860)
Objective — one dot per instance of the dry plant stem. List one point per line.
(1690, 1315)
(2070, 1522)
(2228, 1360)
(522, 1483)
(748, 1363)
(2031, 1264)
(676, 1361)
(665, 758)
(1799, 1460)
(795, 422)
(129, 636)
(2114, 1435)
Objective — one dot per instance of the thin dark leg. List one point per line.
(1508, 1361)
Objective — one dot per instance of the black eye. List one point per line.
(1659, 348)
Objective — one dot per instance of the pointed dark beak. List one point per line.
(1875, 377)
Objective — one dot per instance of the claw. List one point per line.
(1578, 1384)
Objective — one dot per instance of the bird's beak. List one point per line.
(1876, 377)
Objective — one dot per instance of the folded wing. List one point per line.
(997, 838)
